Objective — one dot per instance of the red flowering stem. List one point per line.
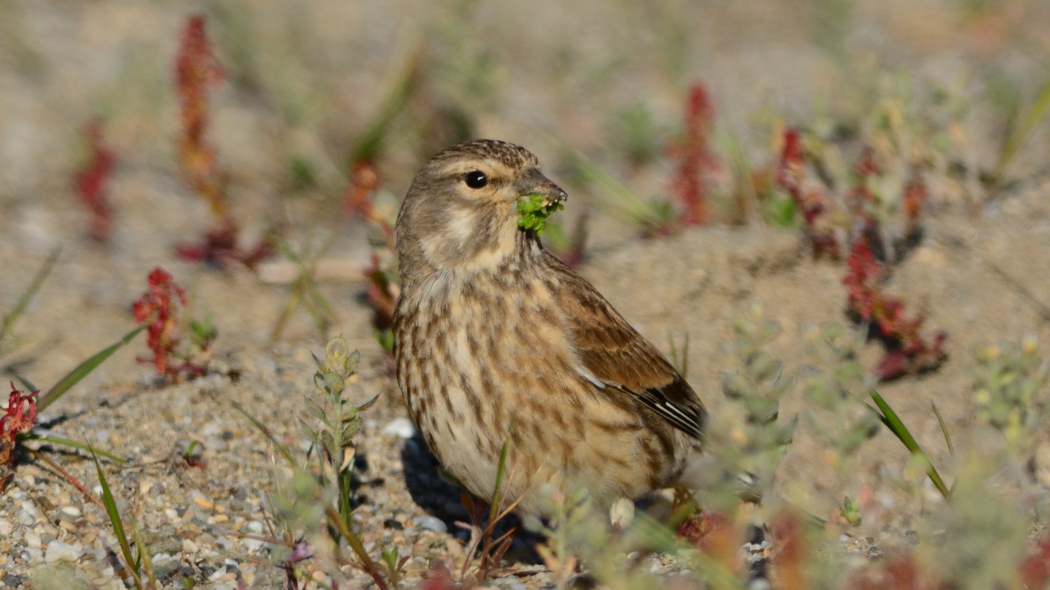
(157, 310)
(19, 417)
(907, 351)
(197, 71)
(695, 158)
(790, 174)
(91, 182)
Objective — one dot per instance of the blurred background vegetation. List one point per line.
(312, 87)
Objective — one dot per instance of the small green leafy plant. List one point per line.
(315, 506)
(748, 440)
(535, 209)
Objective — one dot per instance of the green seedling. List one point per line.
(311, 500)
(535, 209)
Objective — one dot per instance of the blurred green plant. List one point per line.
(316, 503)
(305, 291)
(1011, 395)
(745, 437)
(1018, 130)
(833, 383)
(635, 133)
(619, 201)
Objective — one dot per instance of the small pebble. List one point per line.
(216, 444)
(430, 523)
(401, 427)
(57, 550)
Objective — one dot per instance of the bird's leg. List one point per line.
(475, 509)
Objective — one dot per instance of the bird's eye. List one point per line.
(476, 179)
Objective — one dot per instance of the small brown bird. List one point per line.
(495, 337)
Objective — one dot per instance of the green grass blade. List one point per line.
(30, 292)
(83, 369)
(1020, 133)
(625, 205)
(71, 443)
(281, 448)
(114, 519)
(144, 558)
(500, 470)
(897, 427)
(944, 430)
(26, 383)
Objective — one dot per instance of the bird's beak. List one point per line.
(534, 182)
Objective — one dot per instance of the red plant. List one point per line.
(383, 287)
(861, 199)
(19, 417)
(383, 292)
(91, 182)
(906, 351)
(158, 309)
(196, 72)
(696, 160)
(901, 572)
(915, 195)
(364, 182)
(790, 173)
(219, 248)
(791, 552)
(1035, 569)
(716, 536)
(440, 578)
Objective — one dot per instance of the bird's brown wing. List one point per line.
(621, 359)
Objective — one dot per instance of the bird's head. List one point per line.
(461, 211)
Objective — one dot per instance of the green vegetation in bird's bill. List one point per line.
(535, 209)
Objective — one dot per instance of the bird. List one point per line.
(496, 342)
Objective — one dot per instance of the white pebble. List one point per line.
(71, 510)
(161, 558)
(57, 550)
(430, 523)
(401, 427)
(32, 540)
